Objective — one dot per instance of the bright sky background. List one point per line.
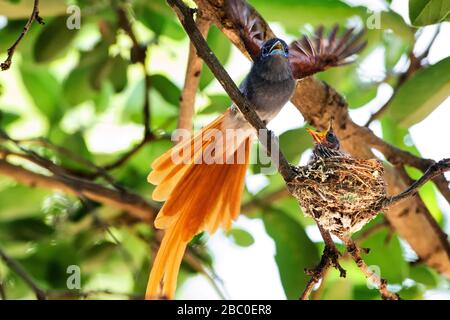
(248, 273)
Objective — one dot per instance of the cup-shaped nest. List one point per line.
(341, 193)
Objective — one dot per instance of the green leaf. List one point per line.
(96, 255)
(426, 12)
(118, 74)
(168, 90)
(340, 289)
(160, 24)
(221, 47)
(76, 86)
(114, 69)
(362, 292)
(241, 237)
(423, 274)
(294, 142)
(421, 94)
(394, 47)
(386, 256)
(77, 145)
(412, 293)
(6, 118)
(54, 40)
(134, 102)
(294, 251)
(9, 33)
(103, 99)
(25, 229)
(44, 89)
(218, 104)
(13, 195)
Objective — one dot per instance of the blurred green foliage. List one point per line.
(89, 74)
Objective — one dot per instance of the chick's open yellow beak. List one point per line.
(317, 136)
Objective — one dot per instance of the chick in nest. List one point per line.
(340, 192)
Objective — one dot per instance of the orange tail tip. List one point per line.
(198, 197)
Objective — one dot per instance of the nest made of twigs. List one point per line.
(341, 193)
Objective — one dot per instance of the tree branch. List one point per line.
(184, 14)
(5, 65)
(129, 202)
(330, 257)
(192, 78)
(381, 283)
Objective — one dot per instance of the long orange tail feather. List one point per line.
(198, 196)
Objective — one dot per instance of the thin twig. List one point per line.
(381, 283)
(184, 14)
(5, 65)
(434, 170)
(98, 171)
(23, 274)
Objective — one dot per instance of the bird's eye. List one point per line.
(331, 137)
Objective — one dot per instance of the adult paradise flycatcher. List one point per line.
(203, 195)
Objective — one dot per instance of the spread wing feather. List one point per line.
(322, 52)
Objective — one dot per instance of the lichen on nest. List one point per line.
(341, 193)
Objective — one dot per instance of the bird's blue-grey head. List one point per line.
(273, 62)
